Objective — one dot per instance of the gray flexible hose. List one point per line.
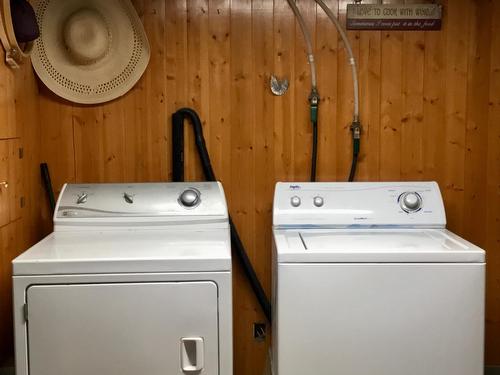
(352, 60)
(308, 40)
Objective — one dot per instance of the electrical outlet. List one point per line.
(259, 331)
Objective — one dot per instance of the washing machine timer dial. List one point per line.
(190, 198)
(410, 201)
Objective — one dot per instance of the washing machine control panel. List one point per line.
(150, 203)
(359, 204)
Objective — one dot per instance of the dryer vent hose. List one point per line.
(178, 176)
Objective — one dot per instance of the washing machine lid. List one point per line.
(374, 246)
(142, 251)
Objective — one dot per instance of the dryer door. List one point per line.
(127, 329)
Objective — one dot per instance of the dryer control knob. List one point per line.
(295, 201)
(318, 201)
(189, 198)
(411, 201)
(129, 198)
(82, 198)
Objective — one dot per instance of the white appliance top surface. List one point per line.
(127, 251)
(373, 246)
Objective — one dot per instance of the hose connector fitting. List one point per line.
(356, 129)
(314, 100)
(356, 136)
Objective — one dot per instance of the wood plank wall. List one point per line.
(430, 110)
(20, 204)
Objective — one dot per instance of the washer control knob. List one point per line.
(82, 198)
(318, 201)
(190, 198)
(411, 201)
(295, 201)
(129, 198)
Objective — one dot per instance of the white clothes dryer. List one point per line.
(135, 279)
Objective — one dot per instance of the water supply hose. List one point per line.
(178, 175)
(356, 125)
(314, 97)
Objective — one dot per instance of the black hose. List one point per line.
(47, 183)
(178, 165)
(314, 154)
(354, 163)
(177, 147)
(356, 146)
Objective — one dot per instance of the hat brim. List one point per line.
(100, 81)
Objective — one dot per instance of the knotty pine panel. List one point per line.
(20, 147)
(429, 106)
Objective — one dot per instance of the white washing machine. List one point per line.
(135, 279)
(367, 280)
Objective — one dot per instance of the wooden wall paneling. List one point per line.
(8, 124)
(176, 62)
(8, 246)
(158, 158)
(326, 65)
(22, 224)
(28, 123)
(88, 146)
(391, 105)
(492, 207)
(264, 180)
(457, 27)
(345, 103)
(284, 114)
(137, 136)
(219, 84)
(113, 142)
(198, 79)
(434, 104)
(263, 64)
(36, 205)
(302, 134)
(5, 187)
(370, 59)
(412, 121)
(242, 197)
(478, 81)
(16, 187)
(58, 151)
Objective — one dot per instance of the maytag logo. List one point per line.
(294, 187)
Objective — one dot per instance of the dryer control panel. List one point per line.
(358, 204)
(143, 204)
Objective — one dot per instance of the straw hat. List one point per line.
(89, 51)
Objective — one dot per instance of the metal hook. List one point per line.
(278, 87)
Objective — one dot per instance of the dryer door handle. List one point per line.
(192, 356)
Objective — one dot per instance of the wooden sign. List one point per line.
(394, 17)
